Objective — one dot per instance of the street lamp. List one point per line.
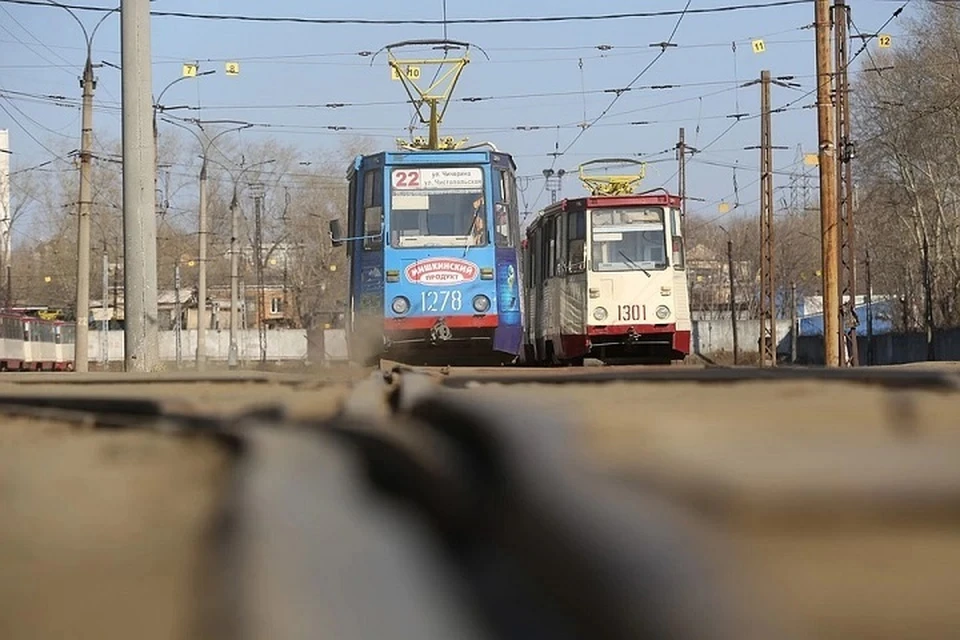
(158, 106)
(202, 236)
(233, 355)
(88, 84)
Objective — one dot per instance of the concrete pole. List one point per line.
(82, 306)
(794, 325)
(139, 197)
(5, 213)
(105, 319)
(733, 302)
(202, 277)
(233, 354)
(179, 312)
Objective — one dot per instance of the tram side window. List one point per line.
(507, 218)
(533, 246)
(678, 248)
(373, 210)
(352, 211)
(502, 213)
(550, 255)
(576, 241)
(12, 328)
(560, 260)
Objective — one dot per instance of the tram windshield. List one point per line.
(438, 207)
(631, 239)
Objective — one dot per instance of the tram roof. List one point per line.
(431, 157)
(650, 198)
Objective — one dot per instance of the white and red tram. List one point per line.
(28, 343)
(604, 278)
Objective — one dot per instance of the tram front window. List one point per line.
(628, 239)
(436, 207)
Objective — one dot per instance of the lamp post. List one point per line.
(158, 106)
(233, 355)
(202, 237)
(88, 84)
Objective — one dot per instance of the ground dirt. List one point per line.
(836, 501)
(101, 531)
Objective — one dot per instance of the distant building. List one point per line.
(708, 275)
(880, 312)
(279, 309)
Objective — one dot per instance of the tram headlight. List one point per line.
(400, 305)
(663, 312)
(600, 314)
(481, 303)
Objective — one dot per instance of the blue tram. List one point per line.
(433, 242)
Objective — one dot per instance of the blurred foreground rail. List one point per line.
(422, 503)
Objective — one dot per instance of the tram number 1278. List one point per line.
(631, 312)
(440, 301)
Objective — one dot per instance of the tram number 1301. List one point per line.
(631, 312)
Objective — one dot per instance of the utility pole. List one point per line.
(82, 304)
(682, 175)
(845, 215)
(733, 301)
(81, 352)
(928, 319)
(5, 213)
(257, 190)
(104, 307)
(794, 327)
(682, 150)
(202, 232)
(768, 290)
(233, 353)
(177, 310)
(768, 303)
(233, 356)
(829, 229)
(866, 264)
(202, 275)
(139, 197)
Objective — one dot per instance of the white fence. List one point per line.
(709, 336)
(282, 344)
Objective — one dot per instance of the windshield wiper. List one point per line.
(470, 230)
(633, 264)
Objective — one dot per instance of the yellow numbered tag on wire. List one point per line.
(724, 207)
(232, 68)
(410, 71)
(884, 40)
(189, 70)
(811, 159)
(759, 46)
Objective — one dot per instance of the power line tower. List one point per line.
(829, 229)
(257, 191)
(847, 283)
(768, 289)
(768, 301)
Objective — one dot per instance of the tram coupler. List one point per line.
(632, 336)
(440, 332)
